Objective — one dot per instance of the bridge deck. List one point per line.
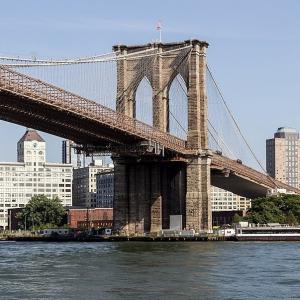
(25, 86)
(224, 164)
(101, 123)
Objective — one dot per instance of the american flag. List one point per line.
(158, 26)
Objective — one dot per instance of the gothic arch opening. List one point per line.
(178, 108)
(144, 102)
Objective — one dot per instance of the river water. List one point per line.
(150, 270)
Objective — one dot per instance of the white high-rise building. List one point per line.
(226, 201)
(66, 152)
(31, 175)
(84, 183)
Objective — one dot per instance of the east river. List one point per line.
(146, 270)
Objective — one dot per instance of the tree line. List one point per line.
(284, 209)
(42, 212)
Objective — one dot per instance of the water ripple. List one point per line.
(129, 270)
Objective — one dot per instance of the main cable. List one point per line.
(237, 126)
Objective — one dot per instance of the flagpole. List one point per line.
(160, 35)
(158, 28)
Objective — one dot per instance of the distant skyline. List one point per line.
(254, 50)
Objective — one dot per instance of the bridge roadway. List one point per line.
(33, 103)
(241, 179)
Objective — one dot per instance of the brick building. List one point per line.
(86, 218)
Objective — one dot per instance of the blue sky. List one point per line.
(254, 49)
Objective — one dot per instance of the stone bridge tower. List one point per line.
(147, 192)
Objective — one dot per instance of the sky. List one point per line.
(254, 50)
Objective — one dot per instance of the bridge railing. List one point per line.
(41, 91)
(242, 169)
(250, 173)
(38, 90)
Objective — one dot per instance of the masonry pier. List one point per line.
(146, 194)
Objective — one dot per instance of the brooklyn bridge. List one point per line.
(158, 111)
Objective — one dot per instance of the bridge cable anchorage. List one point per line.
(238, 128)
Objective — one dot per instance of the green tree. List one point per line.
(291, 219)
(41, 212)
(236, 218)
(282, 209)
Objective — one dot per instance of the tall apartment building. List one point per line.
(31, 175)
(282, 156)
(105, 189)
(69, 156)
(66, 152)
(84, 183)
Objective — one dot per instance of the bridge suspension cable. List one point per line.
(222, 99)
(95, 77)
(178, 109)
(179, 118)
(234, 120)
(112, 56)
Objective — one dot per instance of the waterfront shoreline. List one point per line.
(151, 239)
(116, 239)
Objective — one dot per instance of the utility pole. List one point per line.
(10, 220)
(87, 219)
